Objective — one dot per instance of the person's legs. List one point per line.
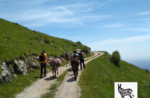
(66, 62)
(41, 70)
(80, 64)
(83, 64)
(44, 69)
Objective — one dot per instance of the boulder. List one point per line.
(11, 69)
(4, 66)
(20, 67)
(6, 76)
(78, 50)
(35, 65)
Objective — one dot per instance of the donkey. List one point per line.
(75, 64)
(54, 64)
(125, 92)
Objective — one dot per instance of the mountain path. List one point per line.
(68, 89)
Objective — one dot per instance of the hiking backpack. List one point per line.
(42, 57)
(67, 55)
(81, 55)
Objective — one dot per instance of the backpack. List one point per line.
(81, 55)
(42, 57)
(67, 55)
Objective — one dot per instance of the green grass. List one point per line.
(17, 85)
(52, 90)
(97, 81)
(17, 41)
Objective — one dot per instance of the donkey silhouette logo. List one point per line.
(125, 92)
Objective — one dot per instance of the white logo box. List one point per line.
(125, 90)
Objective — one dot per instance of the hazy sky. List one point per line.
(109, 25)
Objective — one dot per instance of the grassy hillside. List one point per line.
(17, 41)
(97, 81)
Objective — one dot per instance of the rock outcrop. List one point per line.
(5, 75)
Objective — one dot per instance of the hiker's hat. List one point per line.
(43, 51)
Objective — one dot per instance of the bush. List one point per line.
(115, 58)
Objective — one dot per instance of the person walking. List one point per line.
(43, 59)
(75, 57)
(75, 53)
(67, 58)
(81, 56)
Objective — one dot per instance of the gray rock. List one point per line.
(6, 76)
(5, 73)
(15, 75)
(41, 41)
(11, 69)
(4, 66)
(35, 65)
(21, 66)
(78, 50)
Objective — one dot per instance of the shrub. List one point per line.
(78, 42)
(115, 58)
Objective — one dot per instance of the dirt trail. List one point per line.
(69, 88)
(40, 87)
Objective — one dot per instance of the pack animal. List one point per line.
(125, 92)
(54, 65)
(75, 64)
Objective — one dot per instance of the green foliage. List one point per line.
(79, 43)
(82, 47)
(115, 58)
(97, 80)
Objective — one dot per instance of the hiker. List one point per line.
(43, 59)
(75, 53)
(81, 56)
(67, 58)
